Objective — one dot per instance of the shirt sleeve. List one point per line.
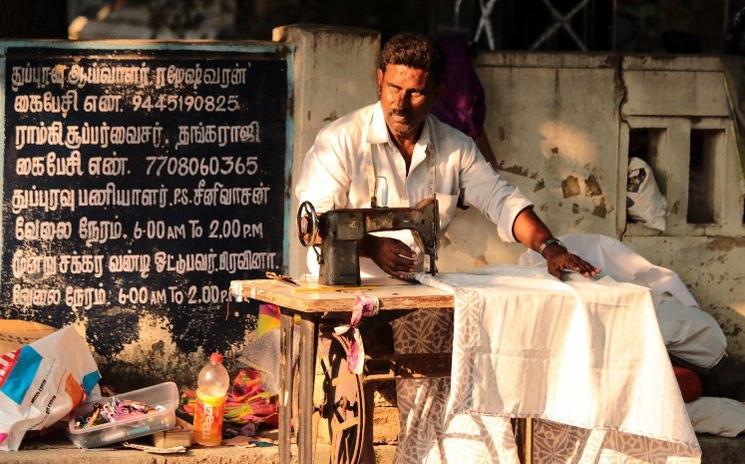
(489, 192)
(324, 179)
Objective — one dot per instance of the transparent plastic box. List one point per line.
(163, 394)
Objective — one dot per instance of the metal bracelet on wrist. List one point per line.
(548, 242)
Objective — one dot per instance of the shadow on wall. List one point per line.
(184, 336)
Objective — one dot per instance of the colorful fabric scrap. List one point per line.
(268, 319)
(364, 306)
(114, 410)
(247, 402)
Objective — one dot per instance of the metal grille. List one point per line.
(647, 26)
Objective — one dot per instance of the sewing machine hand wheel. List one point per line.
(307, 224)
(343, 409)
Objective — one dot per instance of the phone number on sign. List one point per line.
(201, 166)
(186, 103)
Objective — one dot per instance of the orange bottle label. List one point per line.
(208, 418)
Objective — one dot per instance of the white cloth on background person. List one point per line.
(335, 175)
(587, 354)
(724, 417)
(644, 202)
(690, 333)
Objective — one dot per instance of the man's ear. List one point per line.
(379, 75)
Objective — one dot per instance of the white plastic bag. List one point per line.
(644, 202)
(40, 383)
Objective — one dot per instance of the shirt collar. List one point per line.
(378, 131)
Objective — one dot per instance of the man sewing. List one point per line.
(396, 150)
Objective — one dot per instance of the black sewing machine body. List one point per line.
(340, 230)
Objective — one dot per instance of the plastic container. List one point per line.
(213, 383)
(163, 394)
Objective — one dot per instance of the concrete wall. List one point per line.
(553, 123)
(334, 75)
(678, 96)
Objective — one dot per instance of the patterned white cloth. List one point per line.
(585, 357)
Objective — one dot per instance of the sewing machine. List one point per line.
(340, 230)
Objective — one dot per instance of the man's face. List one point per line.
(407, 95)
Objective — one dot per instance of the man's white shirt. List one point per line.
(335, 174)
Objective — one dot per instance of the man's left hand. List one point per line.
(559, 260)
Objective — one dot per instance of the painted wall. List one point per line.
(138, 346)
(142, 332)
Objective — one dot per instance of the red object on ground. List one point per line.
(689, 383)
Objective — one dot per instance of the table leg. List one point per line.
(308, 342)
(285, 386)
(523, 429)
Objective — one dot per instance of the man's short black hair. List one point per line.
(415, 51)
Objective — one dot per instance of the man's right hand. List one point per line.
(391, 255)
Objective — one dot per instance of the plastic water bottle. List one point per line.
(212, 389)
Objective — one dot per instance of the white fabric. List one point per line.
(620, 262)
(645, 203)
(584, 353)
(718, 416)
(689, 333)
(263, 354)
(334, 174)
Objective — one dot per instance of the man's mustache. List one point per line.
(400, 112)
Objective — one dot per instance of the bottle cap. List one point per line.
(216, 358)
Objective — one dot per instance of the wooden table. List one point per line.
(316, 305)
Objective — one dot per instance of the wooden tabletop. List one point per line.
(312, 297)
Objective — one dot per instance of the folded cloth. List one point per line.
(718, 416)
(690, 334)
